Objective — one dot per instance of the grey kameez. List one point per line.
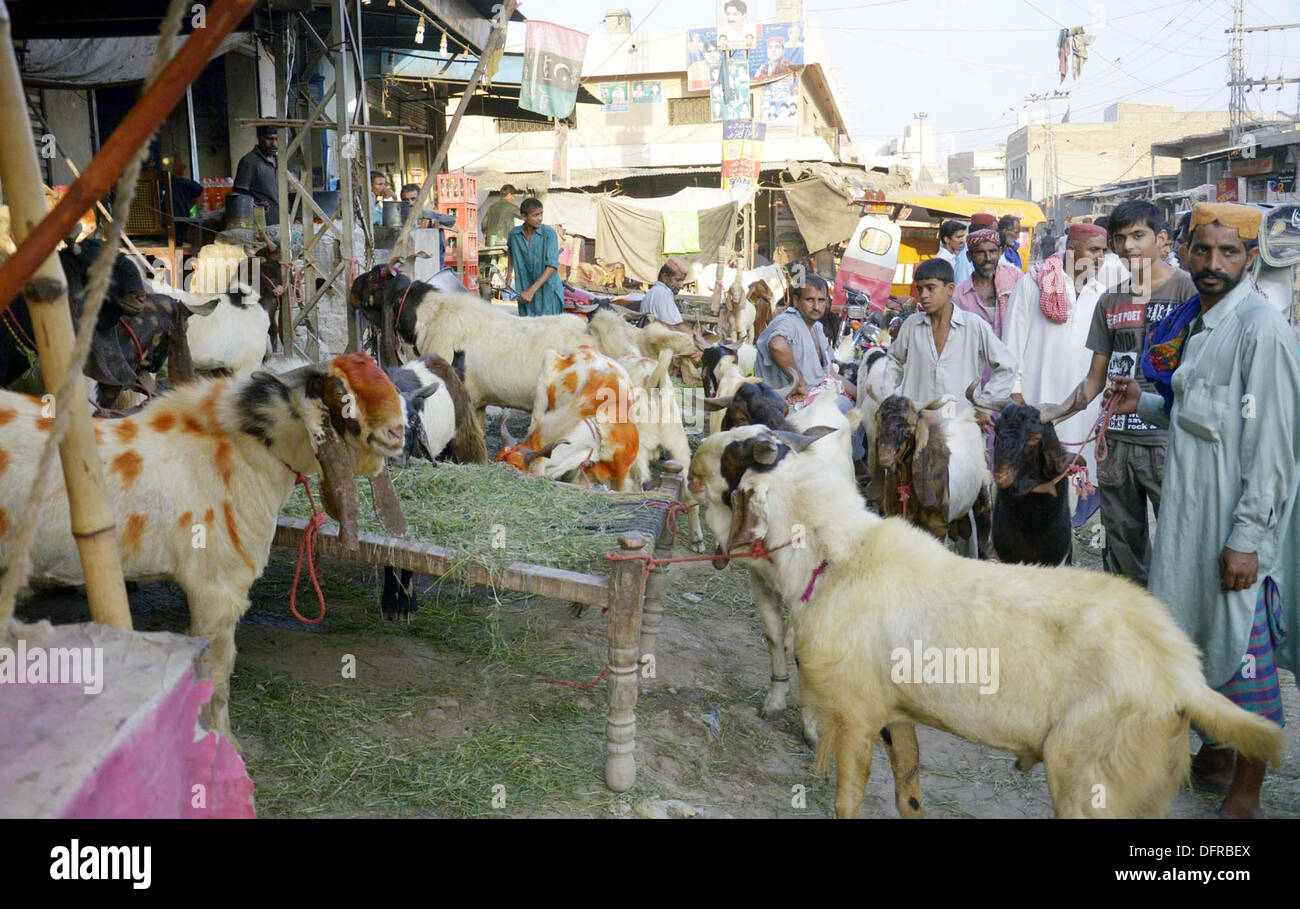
(1231, 477)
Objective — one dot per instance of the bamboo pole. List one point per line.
(121, 147)
(47, 300)
(497, 40)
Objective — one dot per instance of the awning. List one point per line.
(965, 206)
(455, 71)
(825, 206)
(631, 231)
(78, 63)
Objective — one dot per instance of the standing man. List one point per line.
(535, 264)
(952, 249)
(431, 218)
(1009, 227)
(1134, 469)
(661, 300)
(987, 292)
(1227, 550)
(1047, 327)
(942, 349)
(256, 174)
(500, 218)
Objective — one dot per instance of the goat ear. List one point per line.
(458, 363)
(929, 466)
(426, 391)
(1056, 460)
(876, 487)
(388, 508)
(746, 521)
(543, 452)
(338, 486)
(766, 452)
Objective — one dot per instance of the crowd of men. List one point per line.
(1202, 380)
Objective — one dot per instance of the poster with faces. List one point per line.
(737, 24)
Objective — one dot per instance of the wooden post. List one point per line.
(626, 589)
(670, 485)
(47, 300)
(402, 245)
(716, 304)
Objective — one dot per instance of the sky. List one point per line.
(970, 65)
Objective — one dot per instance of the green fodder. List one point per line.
(493, 515)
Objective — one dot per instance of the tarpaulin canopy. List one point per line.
(631, 231)
(102, 62)
(821, 203)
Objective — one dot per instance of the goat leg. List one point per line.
(905, 761)
(769, 610)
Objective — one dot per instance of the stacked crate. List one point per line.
(458, 195)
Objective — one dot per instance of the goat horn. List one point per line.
(980, 400)
(871, 393)
(785, 392)
(1055, 413)
(936, 403)
(718, 403)
(507, 439)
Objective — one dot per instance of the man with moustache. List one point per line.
(1227, 552)
(987, 292)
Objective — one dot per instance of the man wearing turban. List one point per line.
(1227, 551)
(1047, 326)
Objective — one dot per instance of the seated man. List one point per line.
(661, 300)
(794, 347)
(942, 349)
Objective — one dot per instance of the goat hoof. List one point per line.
(698, 546)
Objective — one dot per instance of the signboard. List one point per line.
(742, 153)
(729, 91)
(702, 55)
(647, 92)
(778, 53)
(1252, 167)
(552, 69)
(613, 95)
(1229, 190)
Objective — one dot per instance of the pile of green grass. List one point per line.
(494, 515)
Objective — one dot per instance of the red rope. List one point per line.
(1103, 450)
(758, 551)
(18, 327)
(139, 351)
(673, 509)
(307, 548)
(584, 686)
(905, 494)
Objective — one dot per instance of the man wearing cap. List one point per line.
(1047, 325)
(776, 65)
(987, 292)
(1227, 551)
(255, 175)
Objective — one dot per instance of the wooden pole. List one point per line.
(47, 300)
(626, 588)
(670, 487)
(402, 245)
(121, 147)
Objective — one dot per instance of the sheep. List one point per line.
(1093, 677)
(197, 477)
(1031, 514)
(931, 468)
(714, 472)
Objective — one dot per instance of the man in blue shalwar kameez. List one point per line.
(535, 263)
(1227, 551)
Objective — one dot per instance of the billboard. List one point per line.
(778, 52)
(742, 153)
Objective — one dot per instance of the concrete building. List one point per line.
(1045, 160)
(980, 173)
(918, 151)
(1261, 169)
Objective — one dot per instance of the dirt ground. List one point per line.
(449, 716)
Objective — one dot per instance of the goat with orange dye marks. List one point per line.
(585, 430)
(241, 447)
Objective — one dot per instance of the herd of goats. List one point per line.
(1092, 676)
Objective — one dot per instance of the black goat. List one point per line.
(753, 403)
(1031, 516)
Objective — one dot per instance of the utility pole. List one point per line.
(920, 160)
(1237, 69)
(1051, 175)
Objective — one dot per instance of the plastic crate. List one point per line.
(471, 248)
(457, 188)
(466, 215)
(471, 278)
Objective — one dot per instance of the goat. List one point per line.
(722, 375)
(581, 422)
(746, 318)
(1085, 672)
(933, 457)
(197, 477)
(234, 339)
(714, 473)
(1031, 514)
(871, 391)
(753, 402)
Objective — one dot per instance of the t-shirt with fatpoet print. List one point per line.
(1118, 331)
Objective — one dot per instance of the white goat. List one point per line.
(197, 477)
(233, 338)
(1084, 671)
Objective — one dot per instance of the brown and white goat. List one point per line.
(1093, 677)
(197, 477)
(930, 468)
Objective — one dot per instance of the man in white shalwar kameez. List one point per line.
(1046, 330)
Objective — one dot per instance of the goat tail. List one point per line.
(1225, 722)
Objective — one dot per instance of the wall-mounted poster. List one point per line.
(737, 25)
(647, 92)
(729, 91)
(613, 95)
(778, 53)
(781, 104)
(701, 54)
